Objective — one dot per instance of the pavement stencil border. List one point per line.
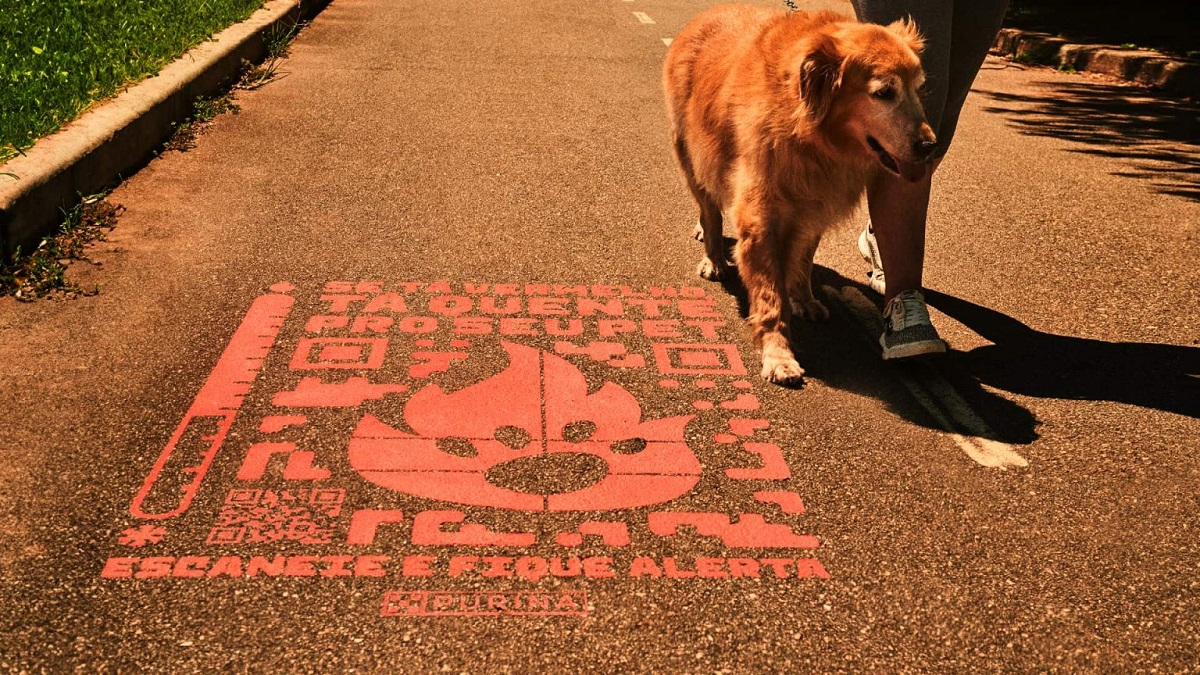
(413, 433)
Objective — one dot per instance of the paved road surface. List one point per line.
(416, 335)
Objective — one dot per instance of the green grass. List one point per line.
(57, 57)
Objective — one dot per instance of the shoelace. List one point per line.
(914, 308)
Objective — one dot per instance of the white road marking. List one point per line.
(643, 17)
(945, 405)
(668, 41)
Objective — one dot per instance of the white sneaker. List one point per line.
(869, 249)
(907, 329)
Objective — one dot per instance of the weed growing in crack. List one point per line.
(43, 271)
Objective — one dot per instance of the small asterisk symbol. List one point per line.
(138, 537)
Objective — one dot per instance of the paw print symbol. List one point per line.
(138, 537)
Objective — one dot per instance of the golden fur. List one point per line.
(777, 121)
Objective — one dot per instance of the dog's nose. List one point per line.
(924, 149)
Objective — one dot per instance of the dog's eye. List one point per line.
(884, 93)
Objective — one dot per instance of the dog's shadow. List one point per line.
(841, 353)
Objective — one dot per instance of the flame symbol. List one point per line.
(530, 404)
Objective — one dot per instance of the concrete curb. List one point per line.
(120, 135)
(1175, 74)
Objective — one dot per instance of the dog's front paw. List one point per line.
(813, 310)
(698, 232)
(713, 271)
(784, 371)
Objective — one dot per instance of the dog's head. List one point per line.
(864, 82)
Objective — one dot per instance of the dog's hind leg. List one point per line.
(713, 266)
(804, 247)
(710, 229)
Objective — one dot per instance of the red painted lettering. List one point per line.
(418, 324)
(417, 566)
(650, 307)
(598, 568)
(335, 565)
(473, 325)
(227, 566)
(588, 307)
(497, 566)
(532, 568)
(810, 567)
(461, 564)
(375, 324)
(711, 568)
(509, 326)
(153, 568)
(641, 567)
(699, 309)
(451, 305)
(779, 565)
(743, 567)
(673, 571)
(569, 567)
(707, 328)
(260, 565)
(547, 306)
(392, 302)
(555, 327)
(118, 568)
(326, 322)
(341, 302)
(301, 566)
(614, 327)
(370, 566)
(662, 328)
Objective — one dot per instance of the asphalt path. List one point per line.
(405, 367)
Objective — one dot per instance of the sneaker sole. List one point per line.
(910, 349)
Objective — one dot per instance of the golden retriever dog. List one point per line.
(778, 120)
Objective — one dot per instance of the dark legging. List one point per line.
(957, 34)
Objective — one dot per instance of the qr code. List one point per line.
(251, 516)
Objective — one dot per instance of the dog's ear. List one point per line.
(820, 76)
(906, 29)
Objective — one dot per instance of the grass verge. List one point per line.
(42, 273)
(57, 57)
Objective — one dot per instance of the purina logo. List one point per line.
(477, 603)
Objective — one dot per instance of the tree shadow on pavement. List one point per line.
(1044, 365)
(1156, 135)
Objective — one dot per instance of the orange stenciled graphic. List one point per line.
(788, 502)
(311, 392)
(522, 412)
(339, 353)
(604, 352)
(611, 533)
(365, 523)
(299, 462)
(427, 531)
(751, 530)
(176, 476)
(773, 465)
(433, 362)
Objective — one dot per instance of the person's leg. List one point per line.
(956, 44)
(975, 25)
(896, 207)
